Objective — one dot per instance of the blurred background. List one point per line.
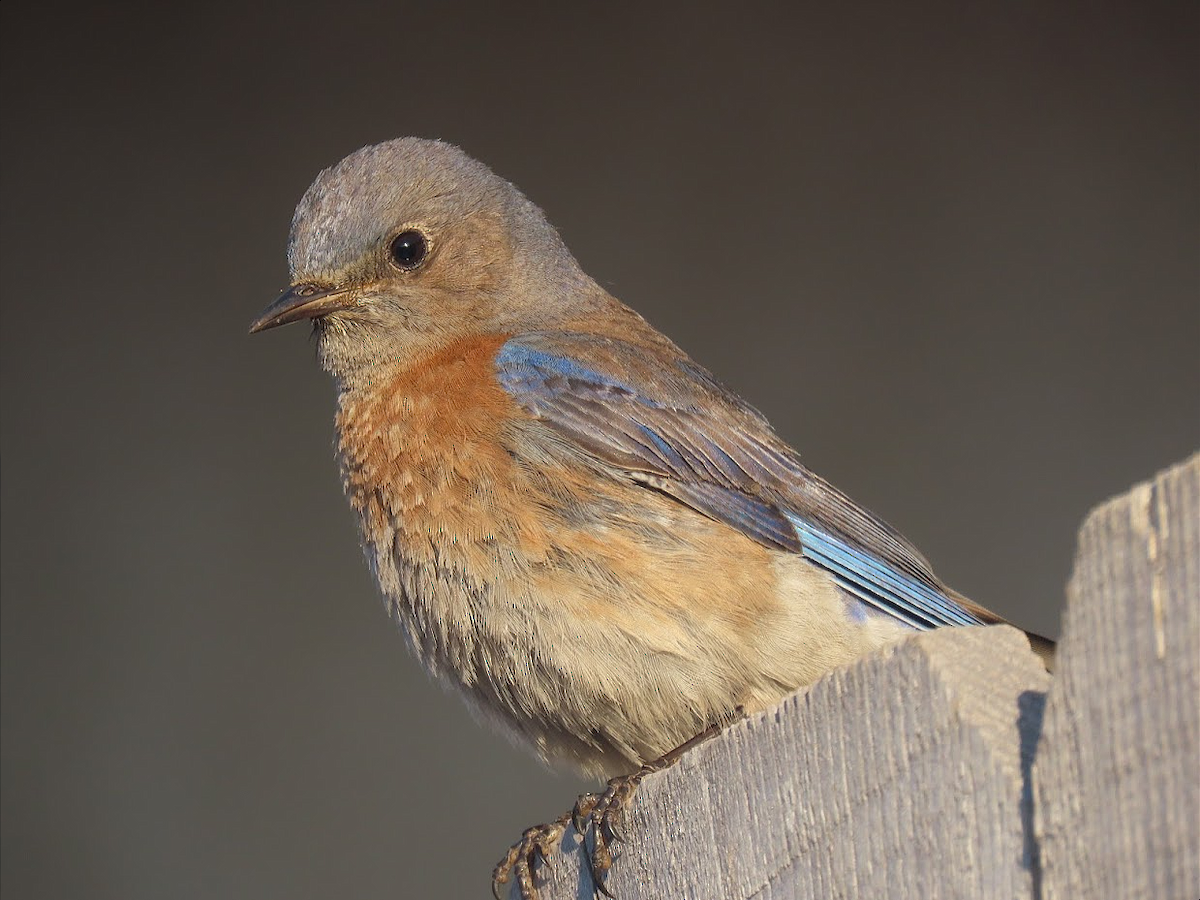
(950, 251)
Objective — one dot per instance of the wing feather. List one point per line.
(669, 425)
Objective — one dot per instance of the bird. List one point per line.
(605, 551)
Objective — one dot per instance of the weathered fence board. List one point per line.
(922, 771)
(1117, 776)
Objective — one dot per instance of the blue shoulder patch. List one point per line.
(520, 366)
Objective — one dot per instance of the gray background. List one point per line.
(951, 253)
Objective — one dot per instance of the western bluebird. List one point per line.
(601, 547)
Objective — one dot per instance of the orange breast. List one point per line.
(423, 460)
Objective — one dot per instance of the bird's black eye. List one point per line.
(409, 249)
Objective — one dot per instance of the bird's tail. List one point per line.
(1043, 647)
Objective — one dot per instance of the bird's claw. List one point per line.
(583, 808)
(601, 814)
(534, 849)
(605, 814)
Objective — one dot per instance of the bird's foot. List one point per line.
(605, 813)
(534, 849)
(602, 814)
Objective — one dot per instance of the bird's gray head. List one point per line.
(406, 245)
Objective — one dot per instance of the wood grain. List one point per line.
(1117, 777)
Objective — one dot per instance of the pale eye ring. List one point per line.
(408, 249)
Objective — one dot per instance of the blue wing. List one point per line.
(668, 424)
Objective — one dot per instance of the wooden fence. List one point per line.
(952, 765)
